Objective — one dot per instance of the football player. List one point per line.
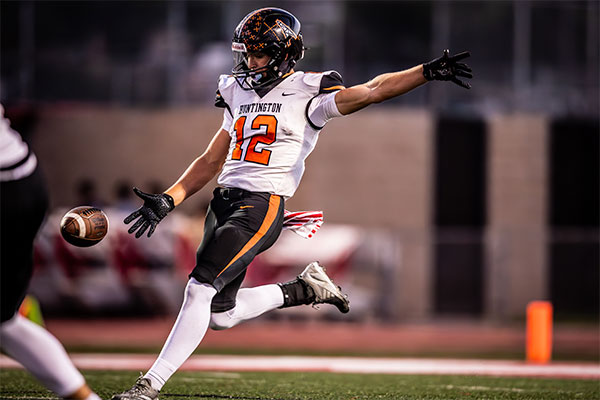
(23, 205)
(271, 122)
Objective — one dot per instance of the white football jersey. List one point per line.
(16, 161)
(271, 136)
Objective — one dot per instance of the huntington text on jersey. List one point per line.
(260, 107)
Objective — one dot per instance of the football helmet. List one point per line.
(271, 31)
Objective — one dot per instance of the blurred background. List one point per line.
(441, 204)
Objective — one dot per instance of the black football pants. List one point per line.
(23, 204)
(239, 225)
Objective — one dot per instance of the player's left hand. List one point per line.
(447, 68)
(155, 208)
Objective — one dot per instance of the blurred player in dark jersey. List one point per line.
(23, 205)
(271, 122)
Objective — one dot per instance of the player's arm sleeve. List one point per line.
(322, 108)
(227, 115)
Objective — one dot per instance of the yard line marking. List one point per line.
(481, 388)
(367, 365)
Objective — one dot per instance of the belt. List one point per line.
(231, 193)
(236, 194)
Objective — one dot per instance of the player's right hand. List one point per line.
(155, 208)
(447, 68)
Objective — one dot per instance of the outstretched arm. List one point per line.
(387, 86)
(157, 206)
(378, 89)
(202, 169)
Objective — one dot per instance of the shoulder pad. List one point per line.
(225, 81)
(219, 100)
(224, 91)
(312, 79)
(331, 81)
(325, 82)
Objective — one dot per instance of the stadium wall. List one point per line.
(375, 169)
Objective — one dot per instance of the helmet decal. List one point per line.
(238, 47)
(288, 31)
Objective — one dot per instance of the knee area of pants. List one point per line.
(220, 321)
(196, 291)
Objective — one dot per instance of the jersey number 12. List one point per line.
(253, 155)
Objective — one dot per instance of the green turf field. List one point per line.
(16, 384)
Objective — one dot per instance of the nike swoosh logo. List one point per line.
(287, 94)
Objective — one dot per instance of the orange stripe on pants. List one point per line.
(272, 211)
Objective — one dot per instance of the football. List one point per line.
(84, 226)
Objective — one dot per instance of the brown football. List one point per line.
(84, 226)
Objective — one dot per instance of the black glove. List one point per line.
(155, 208)
(446, 68)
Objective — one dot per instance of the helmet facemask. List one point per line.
(253, 78)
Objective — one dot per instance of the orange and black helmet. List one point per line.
(274, 32)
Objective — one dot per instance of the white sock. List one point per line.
(249, 303)
(186, 334)
(41, 354)
(93, 396)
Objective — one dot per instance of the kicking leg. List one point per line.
(249, 303)
(312, 286)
